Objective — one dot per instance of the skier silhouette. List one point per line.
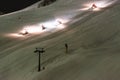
(66, 47)
(59, 22)
(24, 33)
(43, 27)
(94, 6)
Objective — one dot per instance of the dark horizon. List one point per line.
(12, 6)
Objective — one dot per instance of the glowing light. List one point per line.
(61, 26)
(24, 32)
(61, 21)
(14, 35)
(52, 25)
(97, 5)
(93, 6)
(33, 29)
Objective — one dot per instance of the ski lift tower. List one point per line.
(39, 51)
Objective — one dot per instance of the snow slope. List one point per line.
(93, 38)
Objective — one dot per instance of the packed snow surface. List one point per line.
(91, 28)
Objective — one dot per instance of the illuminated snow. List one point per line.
(99, 4)
(33, 28)
(14, 35)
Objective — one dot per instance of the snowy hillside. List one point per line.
(92, 33)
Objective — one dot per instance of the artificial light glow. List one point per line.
(99, 5)
(24, 32)
(50, 24)
(32, 29)
(61, 26)
(61, 21)
(53, 25)
(14, 35)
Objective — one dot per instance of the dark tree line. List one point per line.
(46, 2)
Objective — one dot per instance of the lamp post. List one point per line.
(39, 51)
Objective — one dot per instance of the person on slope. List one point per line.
(93, 6)
(43, 27)
(24, 33)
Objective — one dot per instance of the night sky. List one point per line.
(7, 6)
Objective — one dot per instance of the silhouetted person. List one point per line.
(24, 33)
(59, 22)
(94, 6)
(66, 47)
(43, 27)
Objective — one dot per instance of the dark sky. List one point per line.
(7, 6)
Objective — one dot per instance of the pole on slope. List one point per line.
(39, 51)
